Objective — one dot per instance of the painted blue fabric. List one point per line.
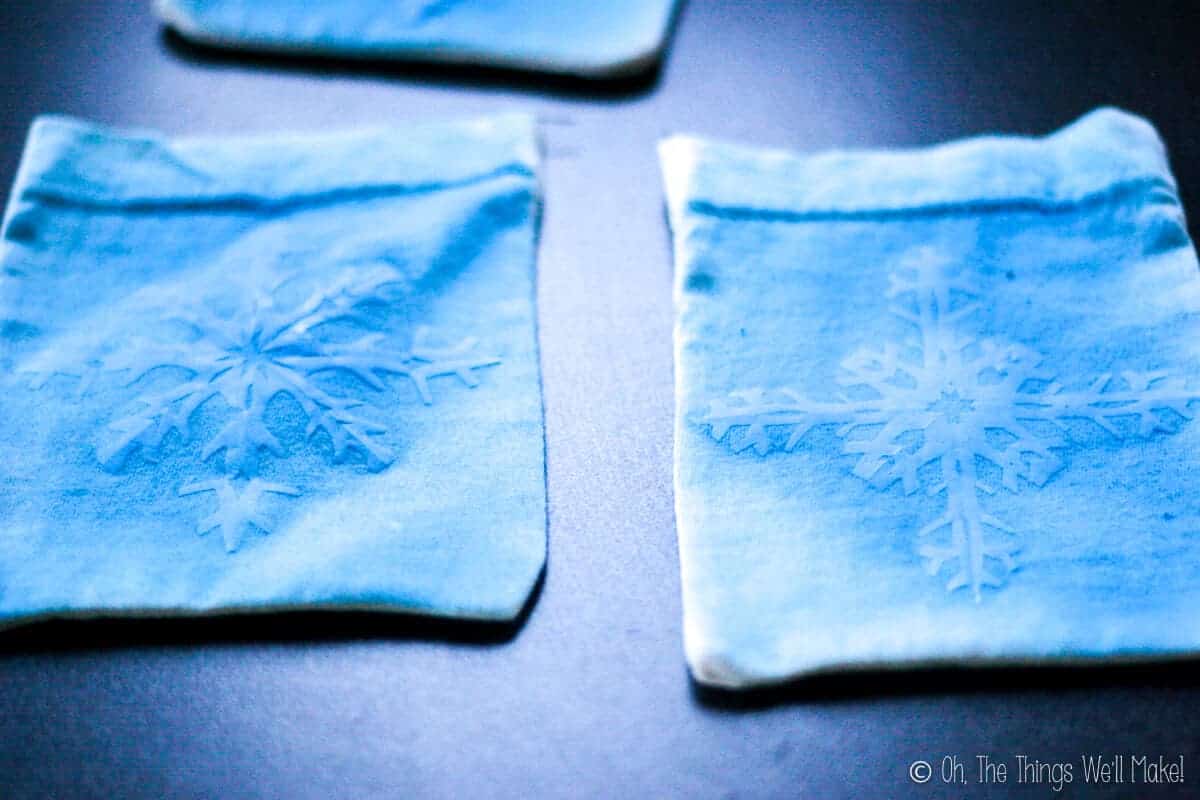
(935, 406)
(271, 373)
(581, 37)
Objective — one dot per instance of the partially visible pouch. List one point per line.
(271, 373)
(576, 37)
(935, 406)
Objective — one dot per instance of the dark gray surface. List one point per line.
(590, 697)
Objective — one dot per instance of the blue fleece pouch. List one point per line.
(579, 37)
(328, 339)
(935, 406)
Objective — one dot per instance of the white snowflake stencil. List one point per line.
(957, 403)
(237, 506)
(240, 361)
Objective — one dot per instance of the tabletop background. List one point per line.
(588, 696)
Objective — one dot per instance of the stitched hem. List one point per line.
(69, 161)
(1102, 156)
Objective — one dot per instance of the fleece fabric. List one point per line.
(935, 406)
(271, 373)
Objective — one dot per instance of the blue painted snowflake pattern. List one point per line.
(242, 360)
(954, 406)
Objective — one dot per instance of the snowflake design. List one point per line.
(243, 360)
(966, 406)
(237, 506)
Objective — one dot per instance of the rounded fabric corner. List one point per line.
(720, 671)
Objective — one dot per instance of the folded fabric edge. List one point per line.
(20, 180)
(1105, 152)
(677, 161)
(503, 609)
(678, 156)
(70, 160)
(613, 66)
(499, 614)
(718, 672)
